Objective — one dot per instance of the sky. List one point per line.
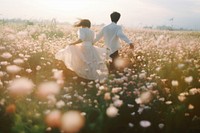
(134, 13)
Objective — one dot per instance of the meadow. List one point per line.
(155, 90)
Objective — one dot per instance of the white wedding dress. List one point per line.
(86, 60)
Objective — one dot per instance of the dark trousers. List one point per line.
(113, 56)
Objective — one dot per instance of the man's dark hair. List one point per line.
(115, 16)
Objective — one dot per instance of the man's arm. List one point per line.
(123, 37)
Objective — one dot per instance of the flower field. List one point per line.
(155, 90)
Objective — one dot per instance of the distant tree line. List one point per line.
(165, 27)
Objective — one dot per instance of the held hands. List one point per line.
(131, 46)
(76, 42)
(71, 43)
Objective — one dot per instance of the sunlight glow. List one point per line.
(137, 13)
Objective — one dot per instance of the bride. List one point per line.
(86, 60)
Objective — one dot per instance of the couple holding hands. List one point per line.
(89, 61)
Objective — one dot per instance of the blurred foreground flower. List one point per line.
(53, 118)
(10, 109)
(6, 55)
(121, 63)
(72, 122)
(48, 88)
(112, 111)
(20, 87)
(13, 69)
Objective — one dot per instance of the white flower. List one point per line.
(21, 55)
(18, 61)
(60, 104)
(140, 110)
(144, 98)
(138, 101)
(22, 34)
(130, 124)
(133, 113)
(101, 88)
(107, 96)
(130, 105)
(75, 78)
(6, 55)
(2, 74)
(13, 69)
(115, 97)
(181, 98)
(168, 102)
(99, 72)
(188, 79)
(11, 37)
(51, 100)
(38, 68)
(28, 70)
(42, 37)
(118, 103)
(2, 48)
(112, 111)
(2, 102)
(145, 123)
(190, 106)
(161, 125)
(116, 89)
(58, 74)
(158, 69)
(4, 63)
(180, 66)
(174, 83)
(48, 88)
(83, 83)
(161, 99)
(142, 75)
(193, 91)
(97, 85)
(20, 87)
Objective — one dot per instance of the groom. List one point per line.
(111, 34)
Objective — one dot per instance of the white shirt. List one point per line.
(111, 34)
(86, 35)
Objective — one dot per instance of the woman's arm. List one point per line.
(76, 42)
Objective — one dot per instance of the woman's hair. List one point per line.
(83, 22)
(115, 16)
